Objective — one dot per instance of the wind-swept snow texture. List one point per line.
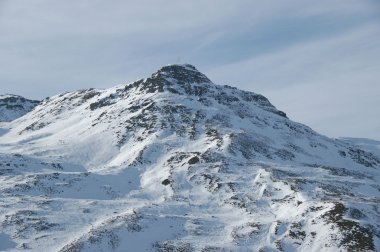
(176, 163)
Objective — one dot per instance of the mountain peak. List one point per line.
(180, 66)
(182, 73)
(167, 77)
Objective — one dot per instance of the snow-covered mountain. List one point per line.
(174, 162)
(14, 106)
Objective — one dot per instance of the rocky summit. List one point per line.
(174, 162)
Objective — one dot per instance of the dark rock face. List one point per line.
(365, 158)
(193, 160)
(355, 237)
(166, 182)
(103, 102)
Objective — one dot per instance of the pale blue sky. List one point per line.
(319, 61)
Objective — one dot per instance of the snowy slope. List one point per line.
(14, 106)
(174, 162)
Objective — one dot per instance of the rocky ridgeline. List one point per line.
(14, 106)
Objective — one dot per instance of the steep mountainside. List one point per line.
(14, 106)
(174, 162)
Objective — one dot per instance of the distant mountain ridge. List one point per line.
(174, 162)
(14, 106)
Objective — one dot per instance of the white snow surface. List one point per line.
(174, 162)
